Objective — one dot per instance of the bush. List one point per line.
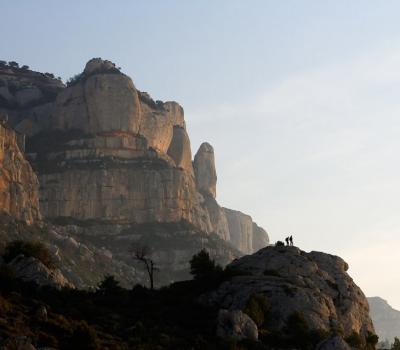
(354, 340)
(13, 64)
(33, 249)
(257, 309)
(109, 285)
(279, 244)
(396, 344)
(202, 266)
(371, 339)
(84, 337)
(74, 80)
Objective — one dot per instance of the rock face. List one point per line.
(32, 270)
(334, 343)
(247, 236)
(386, 319)
(114, 155)
(314, 285)
(27, 95)
(19, 185)
(204, 169)
(237, 325)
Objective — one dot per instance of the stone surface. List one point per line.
(18, 343)
(314, 284)
(100, 103)
(385, 318)
(204, 170)
(240, 230)
(32, 270)
(106, 152)
(333, 343)
(237, 325)
(179, 149)
(19, 185)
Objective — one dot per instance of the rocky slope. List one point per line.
(313, 285)
(386, 319)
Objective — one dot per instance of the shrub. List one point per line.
(84, 337)
(109, 285)
(257, 309)
(13, 64)
(33, 249)
(396, 344)
(371, 339)
(354, 340)
(75, 79)
(279, 244)
(25, 67)
(202, 266)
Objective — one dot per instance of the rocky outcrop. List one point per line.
(204, 170)
(19, 185)
(27, 95)
(314, 285)
(179, 149)
(333, 343)
(236, 325)
(385, 318)
(30, 269)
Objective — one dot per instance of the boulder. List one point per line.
(204, 170)
(237, 325)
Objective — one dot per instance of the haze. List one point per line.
(298, 98)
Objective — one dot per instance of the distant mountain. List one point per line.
(386, 319)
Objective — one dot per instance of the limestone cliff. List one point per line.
(313, 286)
(106, 152)
(19, 185)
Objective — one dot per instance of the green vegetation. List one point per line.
(33, 249)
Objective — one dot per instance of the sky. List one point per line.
(299, 98)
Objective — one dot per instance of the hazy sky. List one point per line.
(300, 100)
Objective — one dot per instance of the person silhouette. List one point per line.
(287, 240)
(291, 240)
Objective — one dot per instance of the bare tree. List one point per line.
(142, 253)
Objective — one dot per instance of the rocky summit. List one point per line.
(288, 282)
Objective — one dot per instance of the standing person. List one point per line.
(287, 240)
(291, 240)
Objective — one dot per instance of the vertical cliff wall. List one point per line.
(106, 152)
(19, 185)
